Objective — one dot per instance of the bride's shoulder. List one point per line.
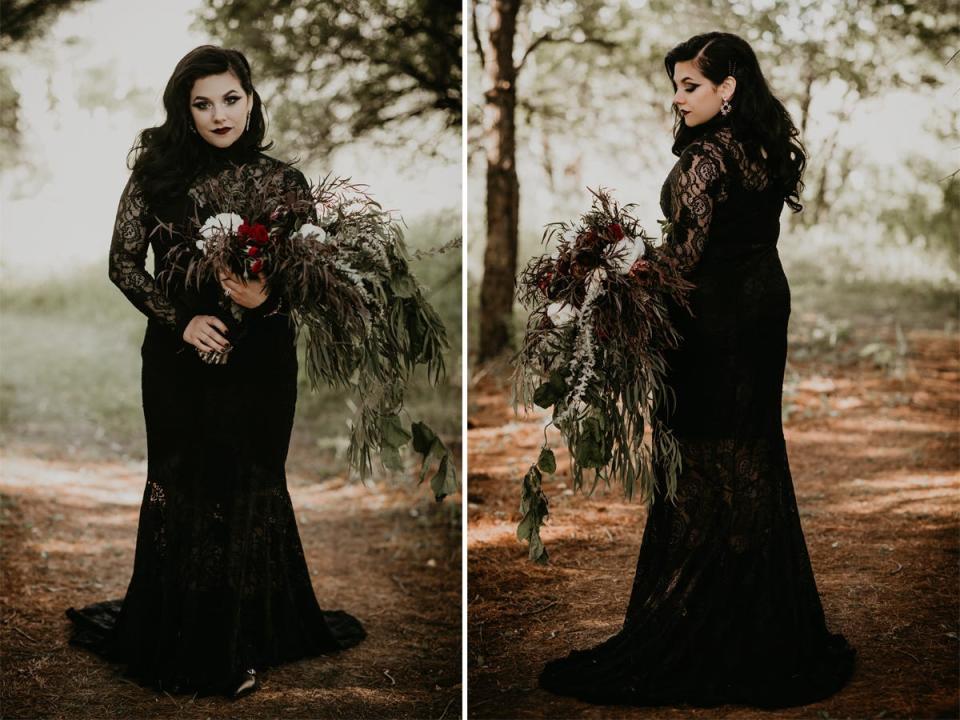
(711, 147)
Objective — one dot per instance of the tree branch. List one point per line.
(550, 38)
(475, 30)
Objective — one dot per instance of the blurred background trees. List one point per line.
(348, 69)
(369, 89)
(592, 107)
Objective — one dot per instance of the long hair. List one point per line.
(168, 156)
(757, 118)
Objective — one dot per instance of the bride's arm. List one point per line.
(698, 185)
(127, 267)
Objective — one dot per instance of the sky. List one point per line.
(75, 154)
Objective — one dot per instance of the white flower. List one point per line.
(635, 249)
(561, 313)
(307, 230)
(220, 224)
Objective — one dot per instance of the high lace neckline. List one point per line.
(214, 158)
(715, 123)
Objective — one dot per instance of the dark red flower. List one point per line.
(253, 250)
(256, 266)
(544, 282)
(616, 232)
(256, 233)
(588, 239)
(640, 267)
(259, 234)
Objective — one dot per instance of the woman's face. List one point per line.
(696, 97)
(219, 107)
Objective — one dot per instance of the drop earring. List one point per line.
(725, 107)
(248, 122)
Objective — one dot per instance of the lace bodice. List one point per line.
(715, 172)
(221, 188)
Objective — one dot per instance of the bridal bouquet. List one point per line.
(337, 263)
(593, 352)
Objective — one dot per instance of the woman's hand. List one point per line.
(204, 332)
(248, 294)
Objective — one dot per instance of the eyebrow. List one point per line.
(687, 78)
(201, 97)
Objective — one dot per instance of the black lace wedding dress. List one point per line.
(220, 583)
(724, 606)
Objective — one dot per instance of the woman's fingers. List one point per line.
(214, 339)
(202, 344)
(218, 324)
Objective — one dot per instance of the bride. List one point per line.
(724, 606)
(220, 587)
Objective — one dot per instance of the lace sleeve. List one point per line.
(695, 188)
(128, 253)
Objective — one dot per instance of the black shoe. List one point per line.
(249, 683)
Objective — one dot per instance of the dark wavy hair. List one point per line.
(166, 158)
(757, 118)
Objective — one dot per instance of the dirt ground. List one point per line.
(386, 553)
(874, 454)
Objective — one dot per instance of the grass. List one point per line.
(70, 363)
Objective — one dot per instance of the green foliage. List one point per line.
(533, 508)
(547, 462)
(345, 69)
(426, 443)
(551, 391)
(593, 351)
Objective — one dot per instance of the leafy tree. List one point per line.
(21, 21)
(586, 71)
(24, 20)
(345, 69)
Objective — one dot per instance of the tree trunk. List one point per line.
(503, 190)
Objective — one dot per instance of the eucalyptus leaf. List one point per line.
(444, 482)
(392, 432)
(592, 449)
(423, 437)
(390, 457)
(551, 391)
(547, 462)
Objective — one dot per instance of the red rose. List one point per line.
(616, 231)
(259, 234)
(256, 266)
(253, 251)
